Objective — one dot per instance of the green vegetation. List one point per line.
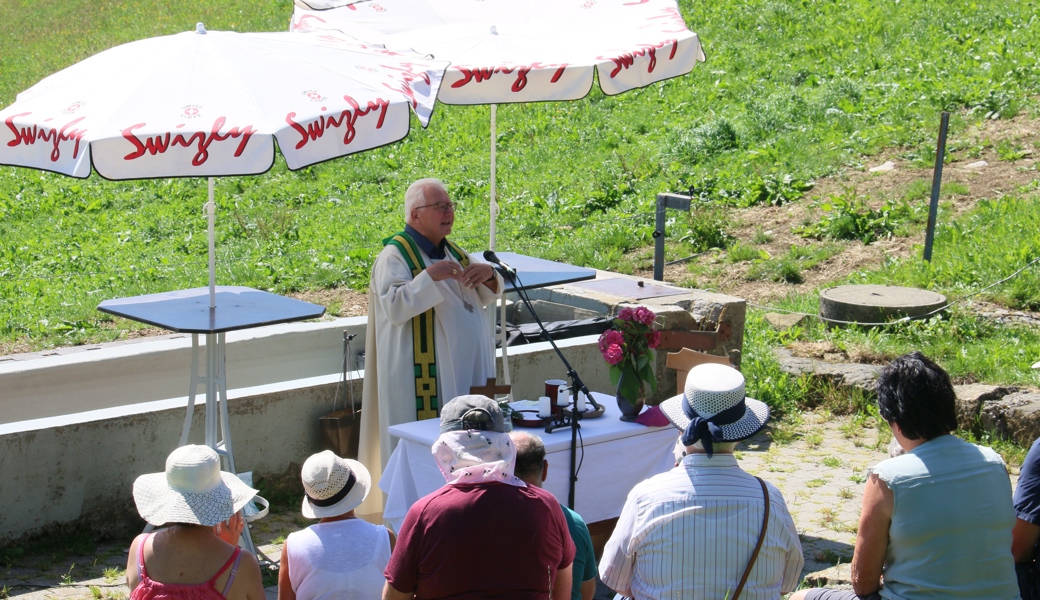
(974, 251)
(742, 253)
(1009, 151)
(788, 268)
(849, 217)
(791, 92)
(112, 574)
(66, 579)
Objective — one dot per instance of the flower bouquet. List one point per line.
(627, 348)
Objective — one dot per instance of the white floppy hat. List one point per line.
(192, 490)
(333, 485)
(715, 404)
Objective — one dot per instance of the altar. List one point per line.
(613, 456)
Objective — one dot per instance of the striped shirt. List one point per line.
(689, 533)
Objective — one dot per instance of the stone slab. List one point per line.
(783, 321)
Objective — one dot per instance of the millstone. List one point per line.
(875, 303)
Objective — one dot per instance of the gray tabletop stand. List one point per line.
(188, 311)
(537, 272)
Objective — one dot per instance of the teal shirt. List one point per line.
(584, 567)
(950, 535)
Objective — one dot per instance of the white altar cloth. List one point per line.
(618, 455)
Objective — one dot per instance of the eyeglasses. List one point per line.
(443, 207)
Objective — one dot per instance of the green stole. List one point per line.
(425, 355)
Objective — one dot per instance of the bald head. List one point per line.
(531, 465)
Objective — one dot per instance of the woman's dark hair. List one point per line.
(918, 395)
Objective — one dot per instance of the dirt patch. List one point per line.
(751, 226)
(339, 302)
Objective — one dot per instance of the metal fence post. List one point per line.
(933, 209)
(664, 202)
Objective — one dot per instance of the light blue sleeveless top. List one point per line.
(950, 535)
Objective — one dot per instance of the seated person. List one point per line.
(340, 556)
(187, 559)
(1026, 532)
(485, 534)
(689, 533)
(936, 521)
(532, 467)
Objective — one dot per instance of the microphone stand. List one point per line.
(563, 420)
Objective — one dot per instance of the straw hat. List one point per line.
(193, 490)
(333, 485)
(714, 397)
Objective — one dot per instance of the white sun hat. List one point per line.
(714, 408)
(192, 490)
(333, 485)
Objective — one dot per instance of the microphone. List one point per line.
(491, 257)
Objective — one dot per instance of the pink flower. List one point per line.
(626, 314)
(653, 339)
(608, 338)
(645, 316)
(614, 354)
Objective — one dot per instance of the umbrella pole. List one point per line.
(210, 214)
(494, 201)
(501, 296)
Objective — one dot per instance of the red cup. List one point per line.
(552, 390)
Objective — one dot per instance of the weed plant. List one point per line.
(847, 216)
(1012, 453)
(112, 574)
(791, 92)
(789, 266)
(743, 253)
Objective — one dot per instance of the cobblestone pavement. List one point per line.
(819, 462)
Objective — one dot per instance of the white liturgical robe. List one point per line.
(464, 345)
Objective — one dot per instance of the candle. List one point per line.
(544, 409)
(580, 402)
(562, 399)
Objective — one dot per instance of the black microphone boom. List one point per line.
(576, 384)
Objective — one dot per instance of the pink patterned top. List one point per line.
(149, 589)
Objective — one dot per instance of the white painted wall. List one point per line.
(118, 374)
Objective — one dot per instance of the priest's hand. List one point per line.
(445, 269)
(477, 273)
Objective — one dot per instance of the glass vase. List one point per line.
(629, 407)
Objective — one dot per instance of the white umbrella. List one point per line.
(204, 104)
(522, 50)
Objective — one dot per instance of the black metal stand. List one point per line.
(565, 418)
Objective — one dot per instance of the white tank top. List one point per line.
(341, 560)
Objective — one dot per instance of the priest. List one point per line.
(428, 338)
